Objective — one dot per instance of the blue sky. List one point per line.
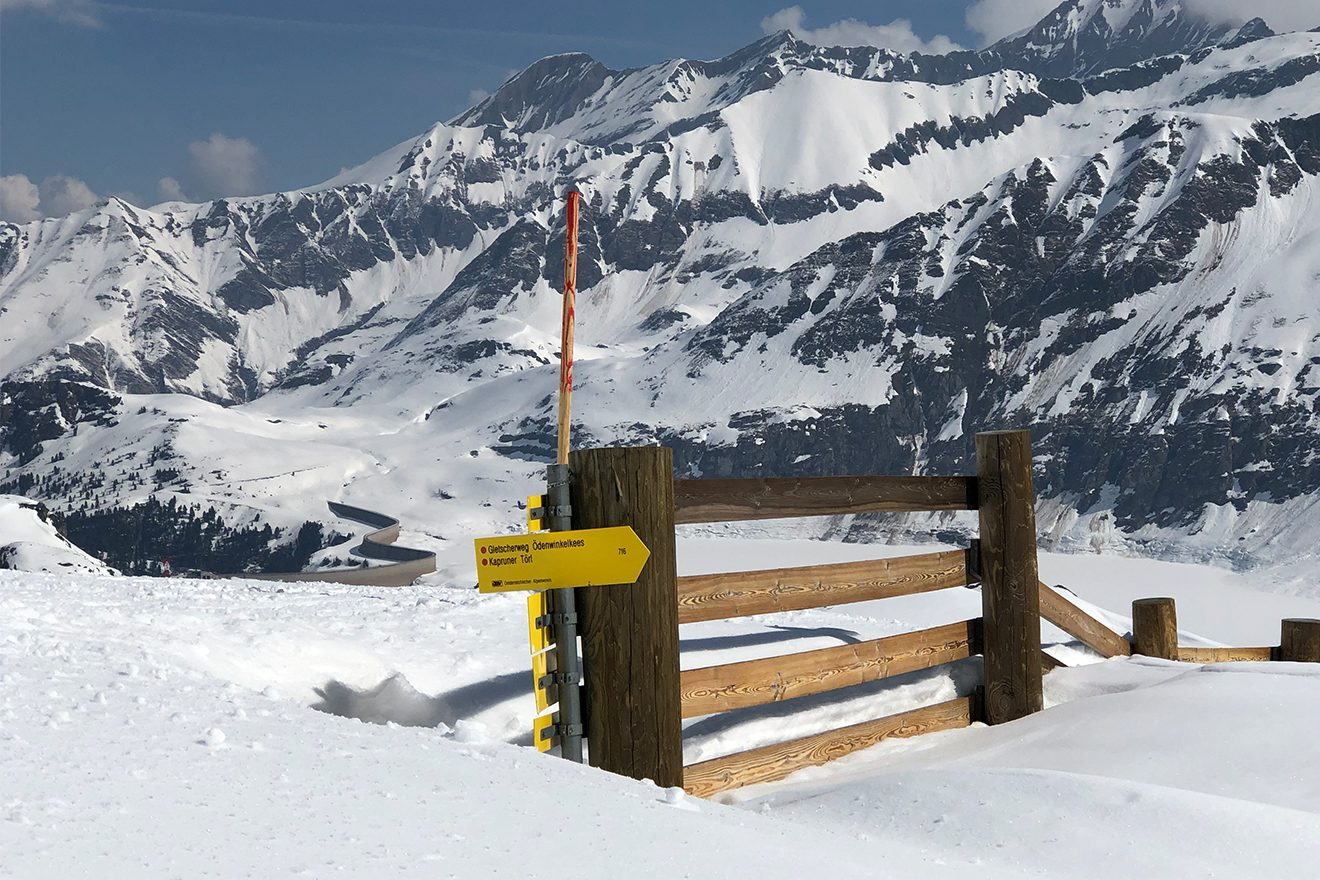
(115, 96)
(193, 99)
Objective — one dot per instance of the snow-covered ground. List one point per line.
(165, 728)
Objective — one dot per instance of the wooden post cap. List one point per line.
(1300, 640)
(1155, 628)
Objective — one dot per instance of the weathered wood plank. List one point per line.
(756, 682)
(1224, 655)
(700, 501)
(772, 762)
(1060, 611)
(630, 633)
(1049, 663)
(1010, 594)
(741, 593)
(1155, 628)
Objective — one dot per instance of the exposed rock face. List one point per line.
(795, 259)
(32, 413)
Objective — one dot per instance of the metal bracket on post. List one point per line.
(558, 509)
(552, 620)
(559, 517)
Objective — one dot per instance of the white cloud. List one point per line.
(476, 96)
(897, 35)
(62, 195)
(226, 166)
(1282, 15)
(19, 199)
(22, 201)
(171, 190)
(77, 12)
(996, 19)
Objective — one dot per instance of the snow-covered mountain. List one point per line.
(795, 259)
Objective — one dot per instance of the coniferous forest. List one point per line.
(136, 539)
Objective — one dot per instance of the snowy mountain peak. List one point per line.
(546, 92)
(1088, 36)
(1253, 30)
(575, 96)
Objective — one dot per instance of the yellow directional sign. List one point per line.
(553, 561)
(544, 666)
(543, 731)
(538, 621)
(535, 513)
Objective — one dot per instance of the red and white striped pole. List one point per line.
(566, 330)
(563, 602)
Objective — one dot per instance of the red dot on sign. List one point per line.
(483, 549)
(484, 561)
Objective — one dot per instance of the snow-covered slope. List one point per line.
(155, 728)
(28, 542)
(795, 259)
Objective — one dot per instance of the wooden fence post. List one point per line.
(1301, 640)
(1155, 628)
(630, 633)
(1010, 597)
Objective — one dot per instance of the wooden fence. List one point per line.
(635, 697)
(1155, 634)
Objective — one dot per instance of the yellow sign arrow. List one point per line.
(554, 560)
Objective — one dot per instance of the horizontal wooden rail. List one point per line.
(702, 501)
(742, 593)
(772, 762)
(1225, 655)
(756, 682)
(1058, 610)
(1049, 663)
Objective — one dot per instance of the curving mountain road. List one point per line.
(404, 564)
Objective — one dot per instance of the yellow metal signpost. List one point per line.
(555, 564)
(544, 681)
(538, 622)
(545, 666)
(559, 560)
(535, 513)
(543, 731)
(543, 563)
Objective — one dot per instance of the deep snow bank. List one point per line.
(29, 543)
(153, 728)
